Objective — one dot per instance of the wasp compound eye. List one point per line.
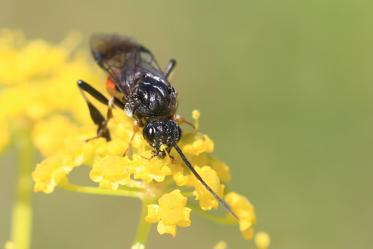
(158, 133)
(149, 132)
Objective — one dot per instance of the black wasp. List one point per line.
(141, 88)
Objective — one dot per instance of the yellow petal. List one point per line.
(206, 200)
(245, 212)
(148, 170)
(185, 221)
(165, 228)
(170, 212)
(197, 143)
(248, 234)
(49, 173)
(153, 213)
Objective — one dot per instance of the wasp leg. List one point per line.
(103, 130)
(135, 130)
(169, 68)
(96, 116)
(97, 95)
(180, 120)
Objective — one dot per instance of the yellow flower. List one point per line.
(148, 170)
(206, 200)
(220, 167)
(121, 126)
(170, 212)
(196, 115)
(49, 173)
(262, 240)
(196, 143)
(38, 80)
(111, 171)
(49, 135)
(245, 212)
(41, 58)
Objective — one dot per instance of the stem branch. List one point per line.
(143, 229)
(22, 210)
(97, 191)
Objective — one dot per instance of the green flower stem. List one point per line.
(22, 210)
(143, 229)
(97, 191)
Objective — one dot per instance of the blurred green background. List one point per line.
(285, 90)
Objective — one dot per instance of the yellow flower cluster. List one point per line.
(170, 212)
(160, 180)
(37, 79)
(38, 91)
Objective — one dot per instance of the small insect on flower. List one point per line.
(142, 89)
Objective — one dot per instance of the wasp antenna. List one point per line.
(195, 173)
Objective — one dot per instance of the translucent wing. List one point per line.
(122, 57)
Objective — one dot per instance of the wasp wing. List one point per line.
(121, 57)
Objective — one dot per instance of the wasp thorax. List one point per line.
(158, 133)
(153, 98)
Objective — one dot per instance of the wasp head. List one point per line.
(164, 132)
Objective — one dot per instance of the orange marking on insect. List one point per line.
(112, 90)
(110, 86)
